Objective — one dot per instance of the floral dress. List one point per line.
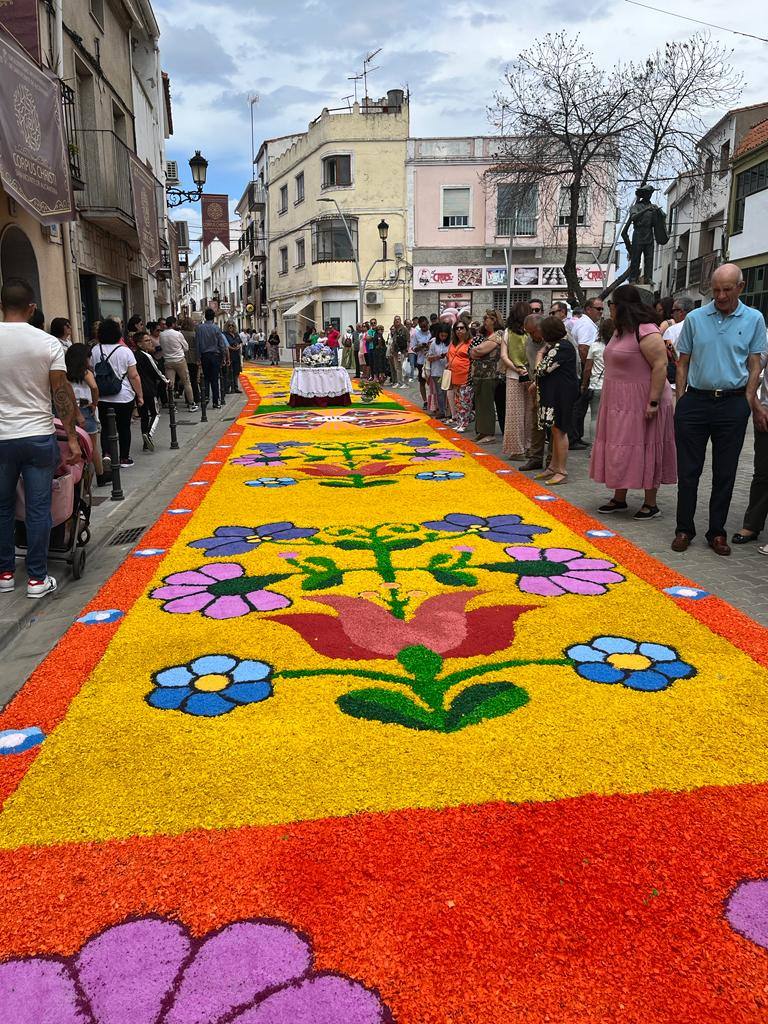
(557, 386)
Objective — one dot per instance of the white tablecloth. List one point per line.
(320, 382)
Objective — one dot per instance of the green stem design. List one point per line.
(483, 670)
(361, 673)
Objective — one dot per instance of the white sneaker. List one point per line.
(39, 588)
(7, 582)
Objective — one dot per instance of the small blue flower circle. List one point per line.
(148, 552)
(272, 481)
(438, 476)
(16, 741)
(99, 618)
(212, 685)
(691, 593)
(636, 665)
(600, 533)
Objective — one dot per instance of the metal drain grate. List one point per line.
(127, 536)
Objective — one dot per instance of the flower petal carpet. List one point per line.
(370, 728)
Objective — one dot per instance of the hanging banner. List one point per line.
(215, 210)
(143, 186)
(34, 158)
(19, 17)
(173, 245)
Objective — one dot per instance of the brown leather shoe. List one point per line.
(681, 542)
(720, 545)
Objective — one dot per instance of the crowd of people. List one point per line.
(660, 383)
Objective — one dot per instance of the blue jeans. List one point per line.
(34, 459)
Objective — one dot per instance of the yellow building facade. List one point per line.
(351, 161)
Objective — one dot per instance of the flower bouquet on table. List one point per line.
(317, 355)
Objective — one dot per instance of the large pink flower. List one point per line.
(552, 572)
(369, 469)
(363, 630)
(220, 590)
(151, 971)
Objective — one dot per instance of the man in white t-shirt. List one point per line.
(680, 310)
(175, 348)
(585, 332)
(32, 373)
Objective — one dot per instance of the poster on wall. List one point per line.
(450, 305)
(525, 277)
(494, 276)
(34, 160)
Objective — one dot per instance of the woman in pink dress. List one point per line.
(634, 447)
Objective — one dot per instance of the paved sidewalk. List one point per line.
(29, 629)
(741, 579)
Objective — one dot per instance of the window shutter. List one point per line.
(456, 202)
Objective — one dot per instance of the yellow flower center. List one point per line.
(629, 661)
(211, 683)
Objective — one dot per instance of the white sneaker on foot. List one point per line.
(39, 588)
(7, 582)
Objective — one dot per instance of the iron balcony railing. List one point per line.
(680, 277)
(694, 271)
(70, 123)
(106, 173)
(521, 224)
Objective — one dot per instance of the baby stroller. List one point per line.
(70, 505)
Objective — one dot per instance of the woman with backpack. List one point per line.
(114, 368)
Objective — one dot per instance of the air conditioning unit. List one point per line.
(374, 298)
(172, 172)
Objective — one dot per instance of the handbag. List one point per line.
(445, 380)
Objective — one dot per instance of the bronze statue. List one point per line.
(649, 228)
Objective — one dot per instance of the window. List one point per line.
(456, 207)
(283, 208)
(97, 10)
(747, 184)
(725, 158)
(283, 260)
(300, 257)
(708, 173)
(517, 208)
(564, 215)
(516, 295)
(337, 170)
(300, 187)
(330, 242)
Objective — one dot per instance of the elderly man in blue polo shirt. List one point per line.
(717, 377)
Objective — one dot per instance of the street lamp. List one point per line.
(198, 165)
(362, 282)
(679, 254)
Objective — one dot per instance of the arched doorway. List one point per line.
(17, 259)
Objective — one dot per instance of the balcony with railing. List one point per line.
(257, 196)
(694, 272)
(681, 275)
(519, 224)
(106, 198)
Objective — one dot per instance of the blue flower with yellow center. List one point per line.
(639, 666)
(212, 685)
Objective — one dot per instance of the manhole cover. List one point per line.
(129, 536)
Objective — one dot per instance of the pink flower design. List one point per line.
(436, 455)
(220, 590)
(151, 969)
(552, 572)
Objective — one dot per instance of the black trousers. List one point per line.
(123, 417)
(211, 364)
(700, 419)
(757, 510)
(500, 401)
(194, 379)
(576, 433)
(147, 412)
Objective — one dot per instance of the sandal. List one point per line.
(545, 474)
(553, 481)
(613, 506)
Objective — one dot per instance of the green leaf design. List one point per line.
(513, 567)
(352, 545)
(245, 584)
(420, 661)
(482, 701)
(454, 577)
(326, 575)
(388, 706)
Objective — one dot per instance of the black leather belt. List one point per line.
(718, 392)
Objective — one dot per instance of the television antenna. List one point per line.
(368, 70)
(355, 79)
(347, 98)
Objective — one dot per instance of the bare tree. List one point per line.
(564, 122)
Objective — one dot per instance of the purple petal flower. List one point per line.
(223, 570)
(268, 600)
(230, 606)
(551, 572)
(187, 605)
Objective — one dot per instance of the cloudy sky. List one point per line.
(297, 55)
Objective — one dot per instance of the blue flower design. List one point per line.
(600, 533)
(238, 540)
(272, 481)
(509, 529)
(100, 617)
(210, 686)
(148, 552)
(639, 666)
(16, 741)
(411, 442)
(275, 446)
(691, 593)
(439, 476)
(178, 511)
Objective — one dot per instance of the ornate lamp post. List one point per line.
(362, 282)
(198, 165)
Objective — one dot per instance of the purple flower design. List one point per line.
(151, 969)
(411, 442)
(239, 540)
(436, 455)
(504, 529)
(747, 910)
(552, 572)
(220, 590)
(257, 460)
(275, 446)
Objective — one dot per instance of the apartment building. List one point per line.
(697, 204)
(461, 219)
(748, 215)
(329, 192)
(116, 108)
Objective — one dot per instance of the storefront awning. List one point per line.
(294, 311)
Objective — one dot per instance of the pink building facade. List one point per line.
(461, 221)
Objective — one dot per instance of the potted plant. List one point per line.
(370, 391)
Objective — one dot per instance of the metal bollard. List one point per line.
(172, 418)
(114, 452)
(203, 407)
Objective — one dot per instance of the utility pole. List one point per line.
(253, 99)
